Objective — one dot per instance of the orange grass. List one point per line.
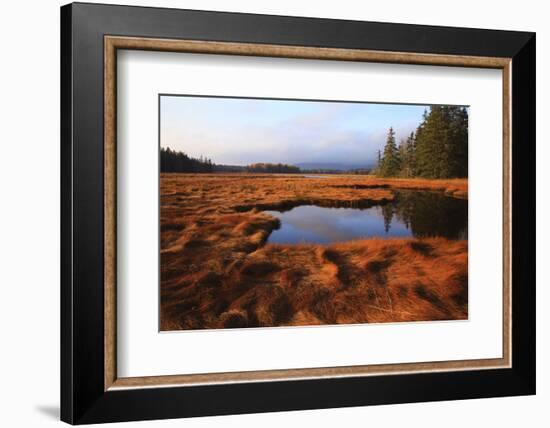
(217, 271)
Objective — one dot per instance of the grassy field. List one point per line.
(218, 272)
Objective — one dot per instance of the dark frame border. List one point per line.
(83, 399)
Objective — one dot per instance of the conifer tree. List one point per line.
(410, 150)
(458, 142)
(390, 163)
(430, 144)
(442, 143)
(438, 148)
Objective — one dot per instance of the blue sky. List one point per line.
(241, 131)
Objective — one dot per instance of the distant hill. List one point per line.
(332, 166)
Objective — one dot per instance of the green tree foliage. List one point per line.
(273, 168)
(438, 148)
(173, 161)
(390, 163)
(407, 151)
(442, 143)
(458, 133)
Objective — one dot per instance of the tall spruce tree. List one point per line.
(458, 142)
(390, 164)
(407, 154)
(402, 153)
(431, 139)
(411, 155)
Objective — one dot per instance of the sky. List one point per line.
(240, 131)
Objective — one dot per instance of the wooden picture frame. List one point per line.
(91, 390)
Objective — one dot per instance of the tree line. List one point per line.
(175, 161)
(273, 168)
(437, 149)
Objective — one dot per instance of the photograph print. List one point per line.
(280, 212)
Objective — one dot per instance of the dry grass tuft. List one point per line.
(234, 319)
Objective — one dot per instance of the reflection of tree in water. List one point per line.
(387, 213)
(429, 214)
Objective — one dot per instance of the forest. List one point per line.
(175, 161)
(437, 149)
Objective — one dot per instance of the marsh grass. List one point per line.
(218, 272)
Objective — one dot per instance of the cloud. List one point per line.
(322, 132)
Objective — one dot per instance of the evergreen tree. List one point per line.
(438, 148)
(442, 143)
(409, 166)
(390, 162)
(173, 161)
(430, 144)
(387, 213)
(407, 154)
(458, 142)
(403, 158)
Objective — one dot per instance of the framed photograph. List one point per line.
(266, 213)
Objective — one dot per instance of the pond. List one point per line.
(412, 214)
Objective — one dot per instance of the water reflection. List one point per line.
(412, 213)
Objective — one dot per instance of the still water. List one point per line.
(412, 214)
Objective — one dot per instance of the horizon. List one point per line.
(243, 131)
